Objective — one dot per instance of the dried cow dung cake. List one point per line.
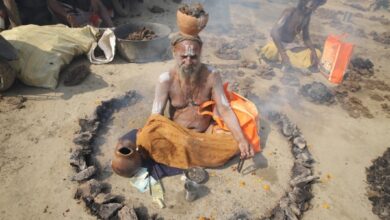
(317, 92)
(194, 10)
(142, 34)
(378, 178)
(383, 38)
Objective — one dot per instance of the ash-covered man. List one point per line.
(187, 139)
(294, 21)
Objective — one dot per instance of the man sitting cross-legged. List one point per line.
(185, 138)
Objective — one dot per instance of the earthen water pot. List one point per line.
(127, 159)
(190, 25)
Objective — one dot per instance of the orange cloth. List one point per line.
(171, 144)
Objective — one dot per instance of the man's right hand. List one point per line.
(245, 149)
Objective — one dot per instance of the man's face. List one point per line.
(187, 56)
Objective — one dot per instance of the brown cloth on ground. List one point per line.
(171, 144)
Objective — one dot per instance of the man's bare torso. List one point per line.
(184, 99)
(293, 22)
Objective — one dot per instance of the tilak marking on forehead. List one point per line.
(189, 50)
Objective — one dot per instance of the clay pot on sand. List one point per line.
(127, 160)
(190, 25)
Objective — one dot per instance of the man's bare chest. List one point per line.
(183, 95)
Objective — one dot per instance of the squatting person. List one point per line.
(293, 22)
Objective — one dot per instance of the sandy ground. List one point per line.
(36, 140)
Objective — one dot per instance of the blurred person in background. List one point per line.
(77, 13)
(294, 21)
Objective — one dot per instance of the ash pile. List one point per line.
(378, 178)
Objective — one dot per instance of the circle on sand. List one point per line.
(253, 193)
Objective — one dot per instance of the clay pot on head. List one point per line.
(190, 25)
(127, 160)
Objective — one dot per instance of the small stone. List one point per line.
(304, 206)
(302, 180)
(299, 196)
(305, 157)
(103, 198)
(83, 138)
(278, 214)
(300, 170)
(85, 174)
(287, 130)
(93, 207)
(294, 208)
(88, 125)
(284, 202)
(304, 163)
(300, 142)
(107, 211)
(296, 132)
(127, 213)
(290, 214)
(77, 159)
(90, 188)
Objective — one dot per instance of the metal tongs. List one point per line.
(240, 165)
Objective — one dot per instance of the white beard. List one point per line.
(190, 73)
